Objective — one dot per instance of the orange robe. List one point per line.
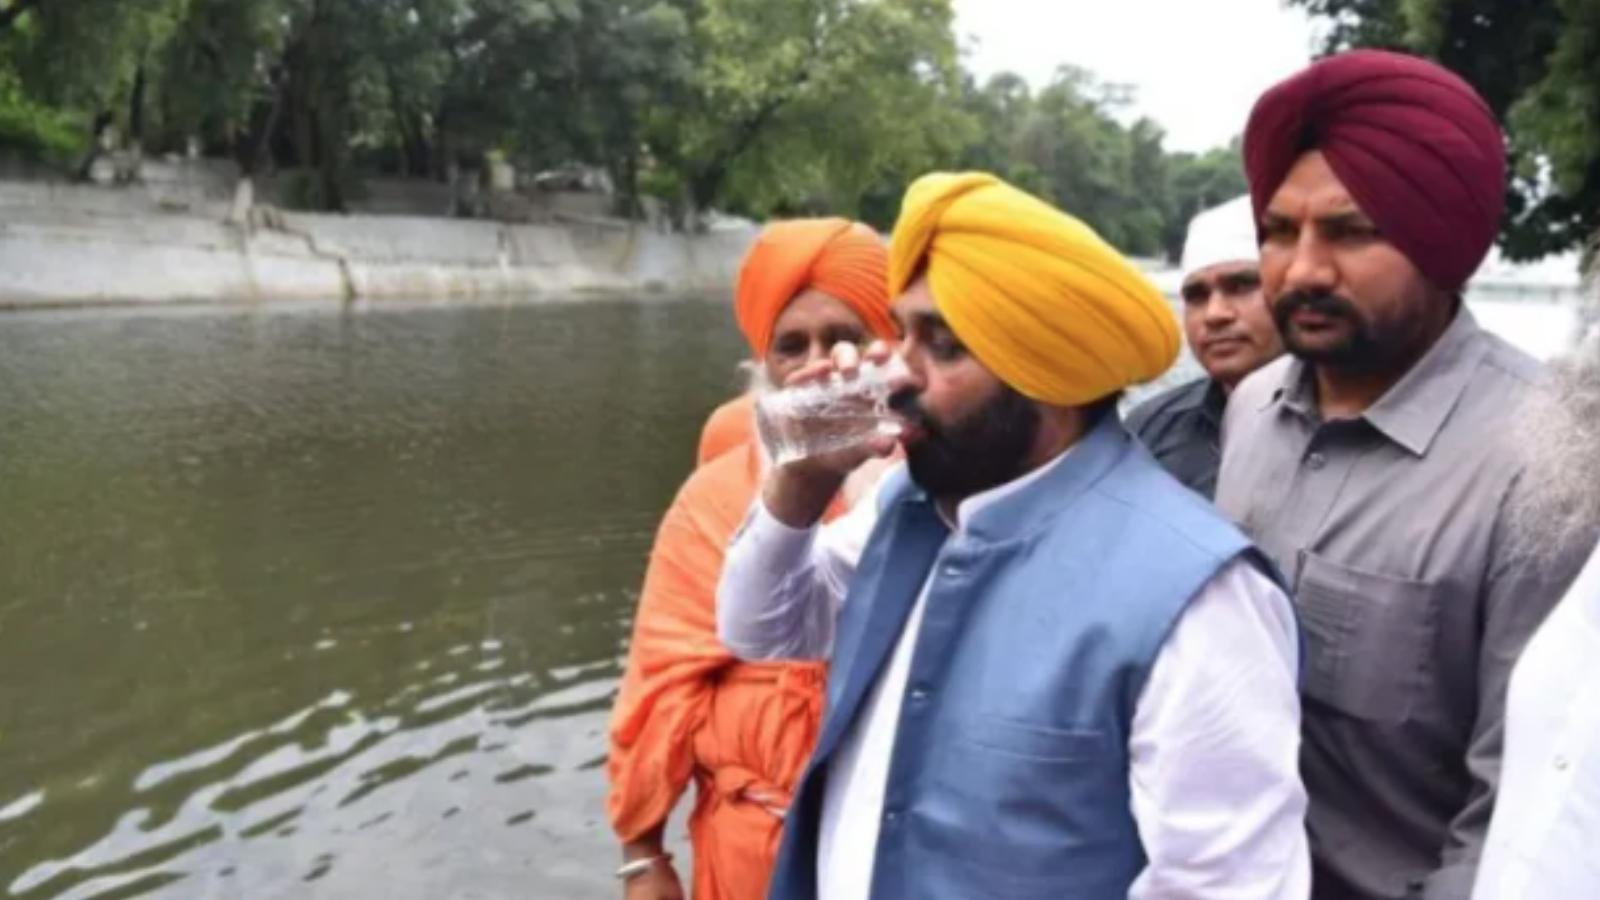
(689, 710)
(731, 425)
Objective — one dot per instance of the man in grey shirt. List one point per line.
(1374, 465)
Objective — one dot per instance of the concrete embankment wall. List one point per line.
(70, 244)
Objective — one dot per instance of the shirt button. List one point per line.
(951, 570)
(918, 695)
(1562, 763)
(891, 817)
(1316, 461)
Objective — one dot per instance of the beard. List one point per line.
(984, 450)
(1558, 432)
(1360, 346)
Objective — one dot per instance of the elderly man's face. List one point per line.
(965, 430)
(1227, 321)
(807, 330)
(1341, 294)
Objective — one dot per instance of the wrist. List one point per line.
(634, 868)
(645, 846)
(798, 495)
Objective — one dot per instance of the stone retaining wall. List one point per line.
(68, 244)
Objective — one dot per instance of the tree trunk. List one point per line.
(704, 188)
(136, 108)
(256, 144)
(102, 121)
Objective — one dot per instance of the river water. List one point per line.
(297, 603)
(308, 603)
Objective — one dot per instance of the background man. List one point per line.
(1231, 334)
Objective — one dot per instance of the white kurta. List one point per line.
(1544, 842)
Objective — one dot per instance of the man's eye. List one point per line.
(845, 336)
(1238, 285)
(1355, 233)
(1277, 232)
(790, 346)
(944, 346)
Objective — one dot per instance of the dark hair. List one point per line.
(1096, 412)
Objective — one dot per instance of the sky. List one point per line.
(1197, 65)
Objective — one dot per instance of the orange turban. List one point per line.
(1045, 304)
(843, 259)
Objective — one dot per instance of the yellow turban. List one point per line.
(1039, 298)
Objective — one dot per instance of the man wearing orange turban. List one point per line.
(1039, 639)
(838, 258)
(688, 710)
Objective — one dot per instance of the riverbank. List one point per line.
(73, 245)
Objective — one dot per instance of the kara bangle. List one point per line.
(632, 870)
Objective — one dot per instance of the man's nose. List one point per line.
(905, 375)
(1220, 310)
(1311, 267)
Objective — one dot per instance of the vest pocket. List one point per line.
(1040, 743)
(1368, 639)
(1024, 811)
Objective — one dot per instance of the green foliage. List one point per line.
(1537, 63)
(35, 132)
(760, 107)
(1066, 144)
(1197, 183)
(809, 105)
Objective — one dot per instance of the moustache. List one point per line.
(904, 404)
(1323, 303)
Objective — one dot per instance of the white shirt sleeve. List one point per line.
(1215, 750)
(782, 588)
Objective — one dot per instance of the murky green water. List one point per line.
(307, 603)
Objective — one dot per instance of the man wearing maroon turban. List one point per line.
(1374, 464)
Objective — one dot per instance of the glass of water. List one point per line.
(807, 420)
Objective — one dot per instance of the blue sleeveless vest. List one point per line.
(1009, 774)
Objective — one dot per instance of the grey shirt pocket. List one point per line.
(1368, 639)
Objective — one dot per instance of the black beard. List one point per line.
(982, 451)
(1361, 349)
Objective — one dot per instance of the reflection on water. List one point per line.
(308, 603)
(300, 603)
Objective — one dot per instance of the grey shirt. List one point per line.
(1415, 602)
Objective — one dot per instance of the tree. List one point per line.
(86, 60)
(760, 107)
(1198, 183)
(788, 102)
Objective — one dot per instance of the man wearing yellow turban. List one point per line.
(1056, 672)
(688, 710)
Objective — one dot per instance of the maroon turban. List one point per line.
(1415, 146)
